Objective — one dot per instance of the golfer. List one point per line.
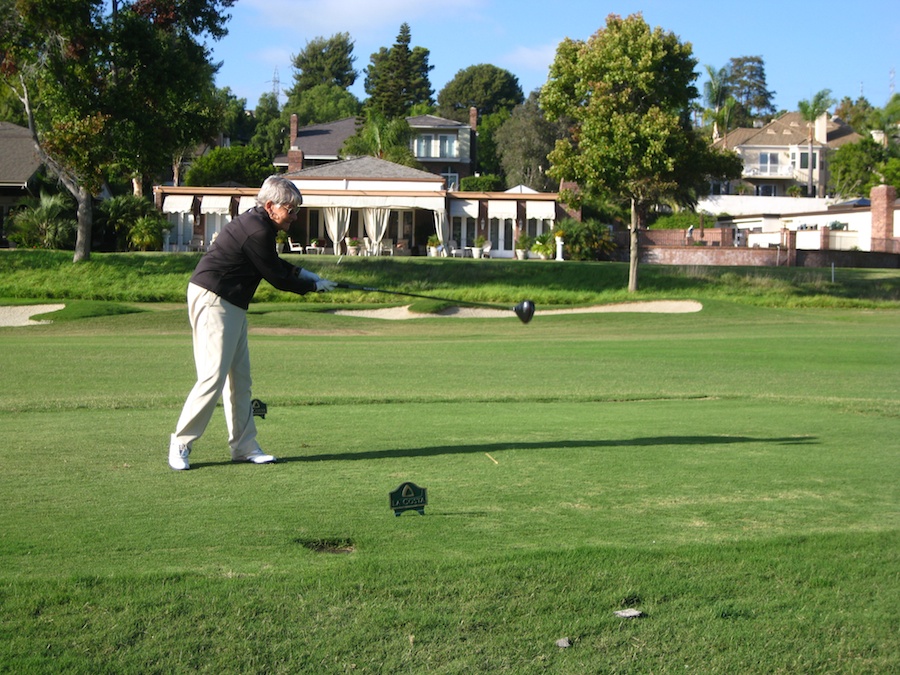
(218, 296)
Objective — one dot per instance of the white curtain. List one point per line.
(376, 221)
(442, 229)
(337, 222)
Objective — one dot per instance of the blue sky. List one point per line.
(806, 46)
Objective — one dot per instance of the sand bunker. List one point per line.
(653, 306)
(20, 315)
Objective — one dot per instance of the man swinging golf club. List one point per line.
(218, 296)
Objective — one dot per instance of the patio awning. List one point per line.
(502, 209)
(178, 204)
(464, 207)
(540, 210)
(216, 204)
(246, 203)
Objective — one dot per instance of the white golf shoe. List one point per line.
(255, 457)
(178, 455)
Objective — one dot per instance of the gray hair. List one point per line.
(279, 190)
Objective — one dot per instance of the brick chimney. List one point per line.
(295, 154)
(883, 198)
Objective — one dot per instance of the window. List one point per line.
(447, 145)
(804, 160)
(768, 162)
(451, 178)
(766, 190)
(423, 145)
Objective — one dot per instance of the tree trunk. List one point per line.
(809, 167)
(635, 249)
(85, 225)
(137, 186)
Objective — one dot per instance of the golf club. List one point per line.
(524, 310)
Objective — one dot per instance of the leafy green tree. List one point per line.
(858, 167)
(322, 103)
(397, 78)
(235, 123)
(107, 88)
(487, 157)
(271, 132)
(886, 120)
(243, 165)
(326, 61)
(524, 141)
(746, 81)
(628, 90)
(854, 113)
(485, 87)
(384, 138)
(810, 111)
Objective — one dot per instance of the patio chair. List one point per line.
(387, 246)
(294, 246)
(455, 249)
(486, 249)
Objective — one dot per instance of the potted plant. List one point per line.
(543, 246)
(353, 245)
(523, 245)
(433, 243)
(479, 246)
(281, 238)
(314, 242)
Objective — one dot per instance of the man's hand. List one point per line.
(323, 285)
(306, 274)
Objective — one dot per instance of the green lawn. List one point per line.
(732, 474)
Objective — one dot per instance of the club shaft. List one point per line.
(354, 287)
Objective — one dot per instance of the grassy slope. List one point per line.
(728, 473)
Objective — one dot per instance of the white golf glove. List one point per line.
(306, 274)
(323, 285)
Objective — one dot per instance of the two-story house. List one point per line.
(776, 156)
(443, 147)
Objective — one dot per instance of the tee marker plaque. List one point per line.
(408, 496)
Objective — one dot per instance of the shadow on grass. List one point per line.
(648, 441)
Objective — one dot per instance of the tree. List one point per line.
(885, 121)
(322, 103)
(810, 111)
(715, 93)
(855, 168)
(397, 78)
(324, 61)
(486, 88)
(747, 83)
(107, 89)
(854, 113)
(524, 141)
(270, 131)
(628, 90)
(235, 122)
(387, 139)
(241, 164)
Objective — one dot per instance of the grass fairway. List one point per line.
(732, 474)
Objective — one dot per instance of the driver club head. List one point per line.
(524, 310)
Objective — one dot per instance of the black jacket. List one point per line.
(243, 255)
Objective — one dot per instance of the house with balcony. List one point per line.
(777, 159)
(443, 147)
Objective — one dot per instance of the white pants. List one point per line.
(222, 359)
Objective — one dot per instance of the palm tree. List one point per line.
(810, 111)
(383, 138)
(715, 91)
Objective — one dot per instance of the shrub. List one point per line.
(486, 183)
(46, 222)
(120, 215)
(588, 240)
(147, 233)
